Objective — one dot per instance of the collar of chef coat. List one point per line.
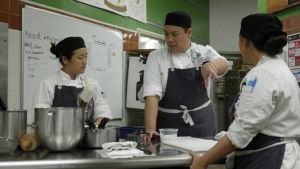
(66, 77)
(266, 58)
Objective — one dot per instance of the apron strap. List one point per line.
(171, 60)
(186, 116)
(59, 82)
(284, 141)
(231, 157)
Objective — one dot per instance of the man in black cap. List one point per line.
(175, 82)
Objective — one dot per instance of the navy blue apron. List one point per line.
(186, 87)
(269, 158)
(66, 96)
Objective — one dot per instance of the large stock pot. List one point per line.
(13, 124)
(59, 128)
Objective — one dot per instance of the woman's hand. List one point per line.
(149, 135)
(197, 162)
(98, 121)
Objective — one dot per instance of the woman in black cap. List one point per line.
(63, 88)
(266, 114)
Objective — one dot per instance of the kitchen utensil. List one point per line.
(135, 136)
(145, 151)
(14, 123)
(87, 93)
(168, 134)
(103, 123)
(8, 145)
(94, 138)
(29, 142)
(59, 128)
(138, 131)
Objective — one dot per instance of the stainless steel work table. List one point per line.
(165, 156)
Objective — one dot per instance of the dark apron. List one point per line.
(66, 96)
(186, 87)
(270, 158)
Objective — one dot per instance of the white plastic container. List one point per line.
(168, 134)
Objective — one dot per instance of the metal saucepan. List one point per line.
(94, 138)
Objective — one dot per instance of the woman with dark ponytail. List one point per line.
(62, 89)
(266, 114)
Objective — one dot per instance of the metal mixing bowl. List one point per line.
(8, 145)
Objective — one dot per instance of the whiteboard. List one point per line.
(135, 67)
(105, 46)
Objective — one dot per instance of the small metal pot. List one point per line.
(94, 138)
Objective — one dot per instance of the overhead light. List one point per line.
(144, 39)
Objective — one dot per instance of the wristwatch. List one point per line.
(205, 62)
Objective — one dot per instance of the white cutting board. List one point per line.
(192, 144)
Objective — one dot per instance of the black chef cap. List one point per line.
(260, 24)
(68, 45)
(178, 18)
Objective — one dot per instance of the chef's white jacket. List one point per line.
(156, 72)
(270, 104)
(44, 95)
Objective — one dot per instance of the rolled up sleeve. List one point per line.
(101, 107)
(152, 77)
(211, 55)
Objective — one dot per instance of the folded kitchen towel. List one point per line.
(124, 153)
(128, 145)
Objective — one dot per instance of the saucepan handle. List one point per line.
(49, 123)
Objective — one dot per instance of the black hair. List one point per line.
(265, 31)
(271, 43)
(54, 50)
(186, 29)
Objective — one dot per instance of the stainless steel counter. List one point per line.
(163, 156)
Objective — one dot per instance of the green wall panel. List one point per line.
(200, 17)
(156, 12)
(262, 6)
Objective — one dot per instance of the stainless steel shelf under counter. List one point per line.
(163, 156)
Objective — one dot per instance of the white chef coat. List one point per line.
(270, 106)
(44, 95)
(156, 72)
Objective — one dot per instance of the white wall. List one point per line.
(225, 18)
(14, 76)
(14, 69)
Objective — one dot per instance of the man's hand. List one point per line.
(149, 135)
(209, 69)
